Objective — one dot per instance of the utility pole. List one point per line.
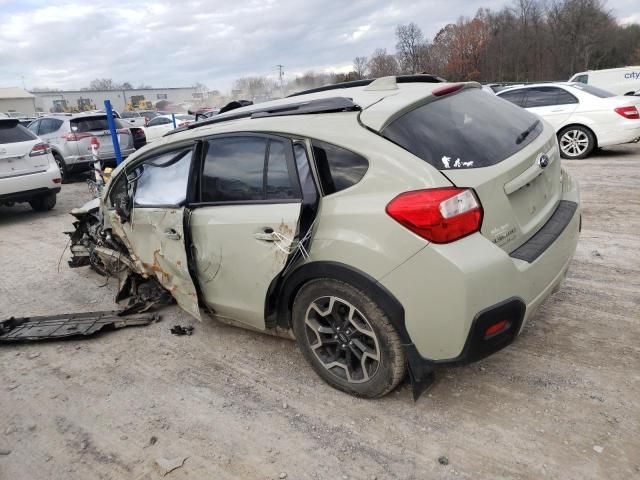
(280, 75)
(23, 84)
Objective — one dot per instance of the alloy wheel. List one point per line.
(342, 339)
(574, 143)
(60, 164)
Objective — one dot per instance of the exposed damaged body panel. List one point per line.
(68, 325)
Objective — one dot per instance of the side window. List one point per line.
(118, 193)
(564, 98)
(233, 169)
(34, 126)
(247, 168)
(49, 125)
(540, 97)
(582, 79)
(280, 185)
(515, 96)
(304, 171)
(163, 180)
(338, 168)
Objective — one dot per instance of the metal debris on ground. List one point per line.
(180, 330)
(68, 325)
(167, 465)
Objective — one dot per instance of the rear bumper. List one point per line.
(25, 187)
(26, 195)
(626, 132)
(82, 162)
(451, 293)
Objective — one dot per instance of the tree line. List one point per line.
(531, 40)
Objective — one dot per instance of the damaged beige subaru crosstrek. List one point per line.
(388, 225)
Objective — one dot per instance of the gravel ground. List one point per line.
(562, 402)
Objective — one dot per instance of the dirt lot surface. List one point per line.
(562, 402)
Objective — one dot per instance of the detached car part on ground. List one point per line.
(387, 225)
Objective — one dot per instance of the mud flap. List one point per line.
(421, 372)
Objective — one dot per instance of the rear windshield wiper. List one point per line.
(521, 138)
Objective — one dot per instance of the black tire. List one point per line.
(576, 142)
(43, 203)
(368, 378)
(62, 166)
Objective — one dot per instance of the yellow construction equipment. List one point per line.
(138, 102)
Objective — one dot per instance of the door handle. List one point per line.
(171, 234)
(266, 235)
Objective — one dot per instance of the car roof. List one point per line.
(379, 101)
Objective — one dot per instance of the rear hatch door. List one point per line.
(16, 143)
(507, 155)
(97, 126)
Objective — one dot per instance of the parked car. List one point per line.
(162, 124)
(133, 118)
(23, 118)
(621, 81)
(149, 114)
(583, 116)
(28, 172)
(382, 224)
(69, 136)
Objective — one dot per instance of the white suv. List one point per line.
(382, 224)
(28, 172)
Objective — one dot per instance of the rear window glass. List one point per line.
(13, 132)
(93, 124)
(468, 129)
(338, 167)
(598, 92)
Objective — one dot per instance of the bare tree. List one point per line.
(102, 84)
(409, 48)
(360, 67)
(381, 64)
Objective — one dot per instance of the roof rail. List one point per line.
(418, 78)
(322, 105)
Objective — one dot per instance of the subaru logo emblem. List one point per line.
(543, 161)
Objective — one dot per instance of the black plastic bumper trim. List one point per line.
(26, 195)
(536, 245)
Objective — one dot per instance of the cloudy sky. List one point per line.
(178, 43)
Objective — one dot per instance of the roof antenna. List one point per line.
(382, 83)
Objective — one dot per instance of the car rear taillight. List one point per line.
(40, 149)
(57, 180)
(628, 112)
(440, 215)
(447, 89)
(75, 137)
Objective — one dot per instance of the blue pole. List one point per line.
(173, 117)
(114, 133)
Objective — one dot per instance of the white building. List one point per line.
(44, 101)
(14, 99)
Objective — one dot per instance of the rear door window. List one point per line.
(468, 129)
(515, 96)
(249, 169)
(13, 132)
(547, 97)
(338, 168)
